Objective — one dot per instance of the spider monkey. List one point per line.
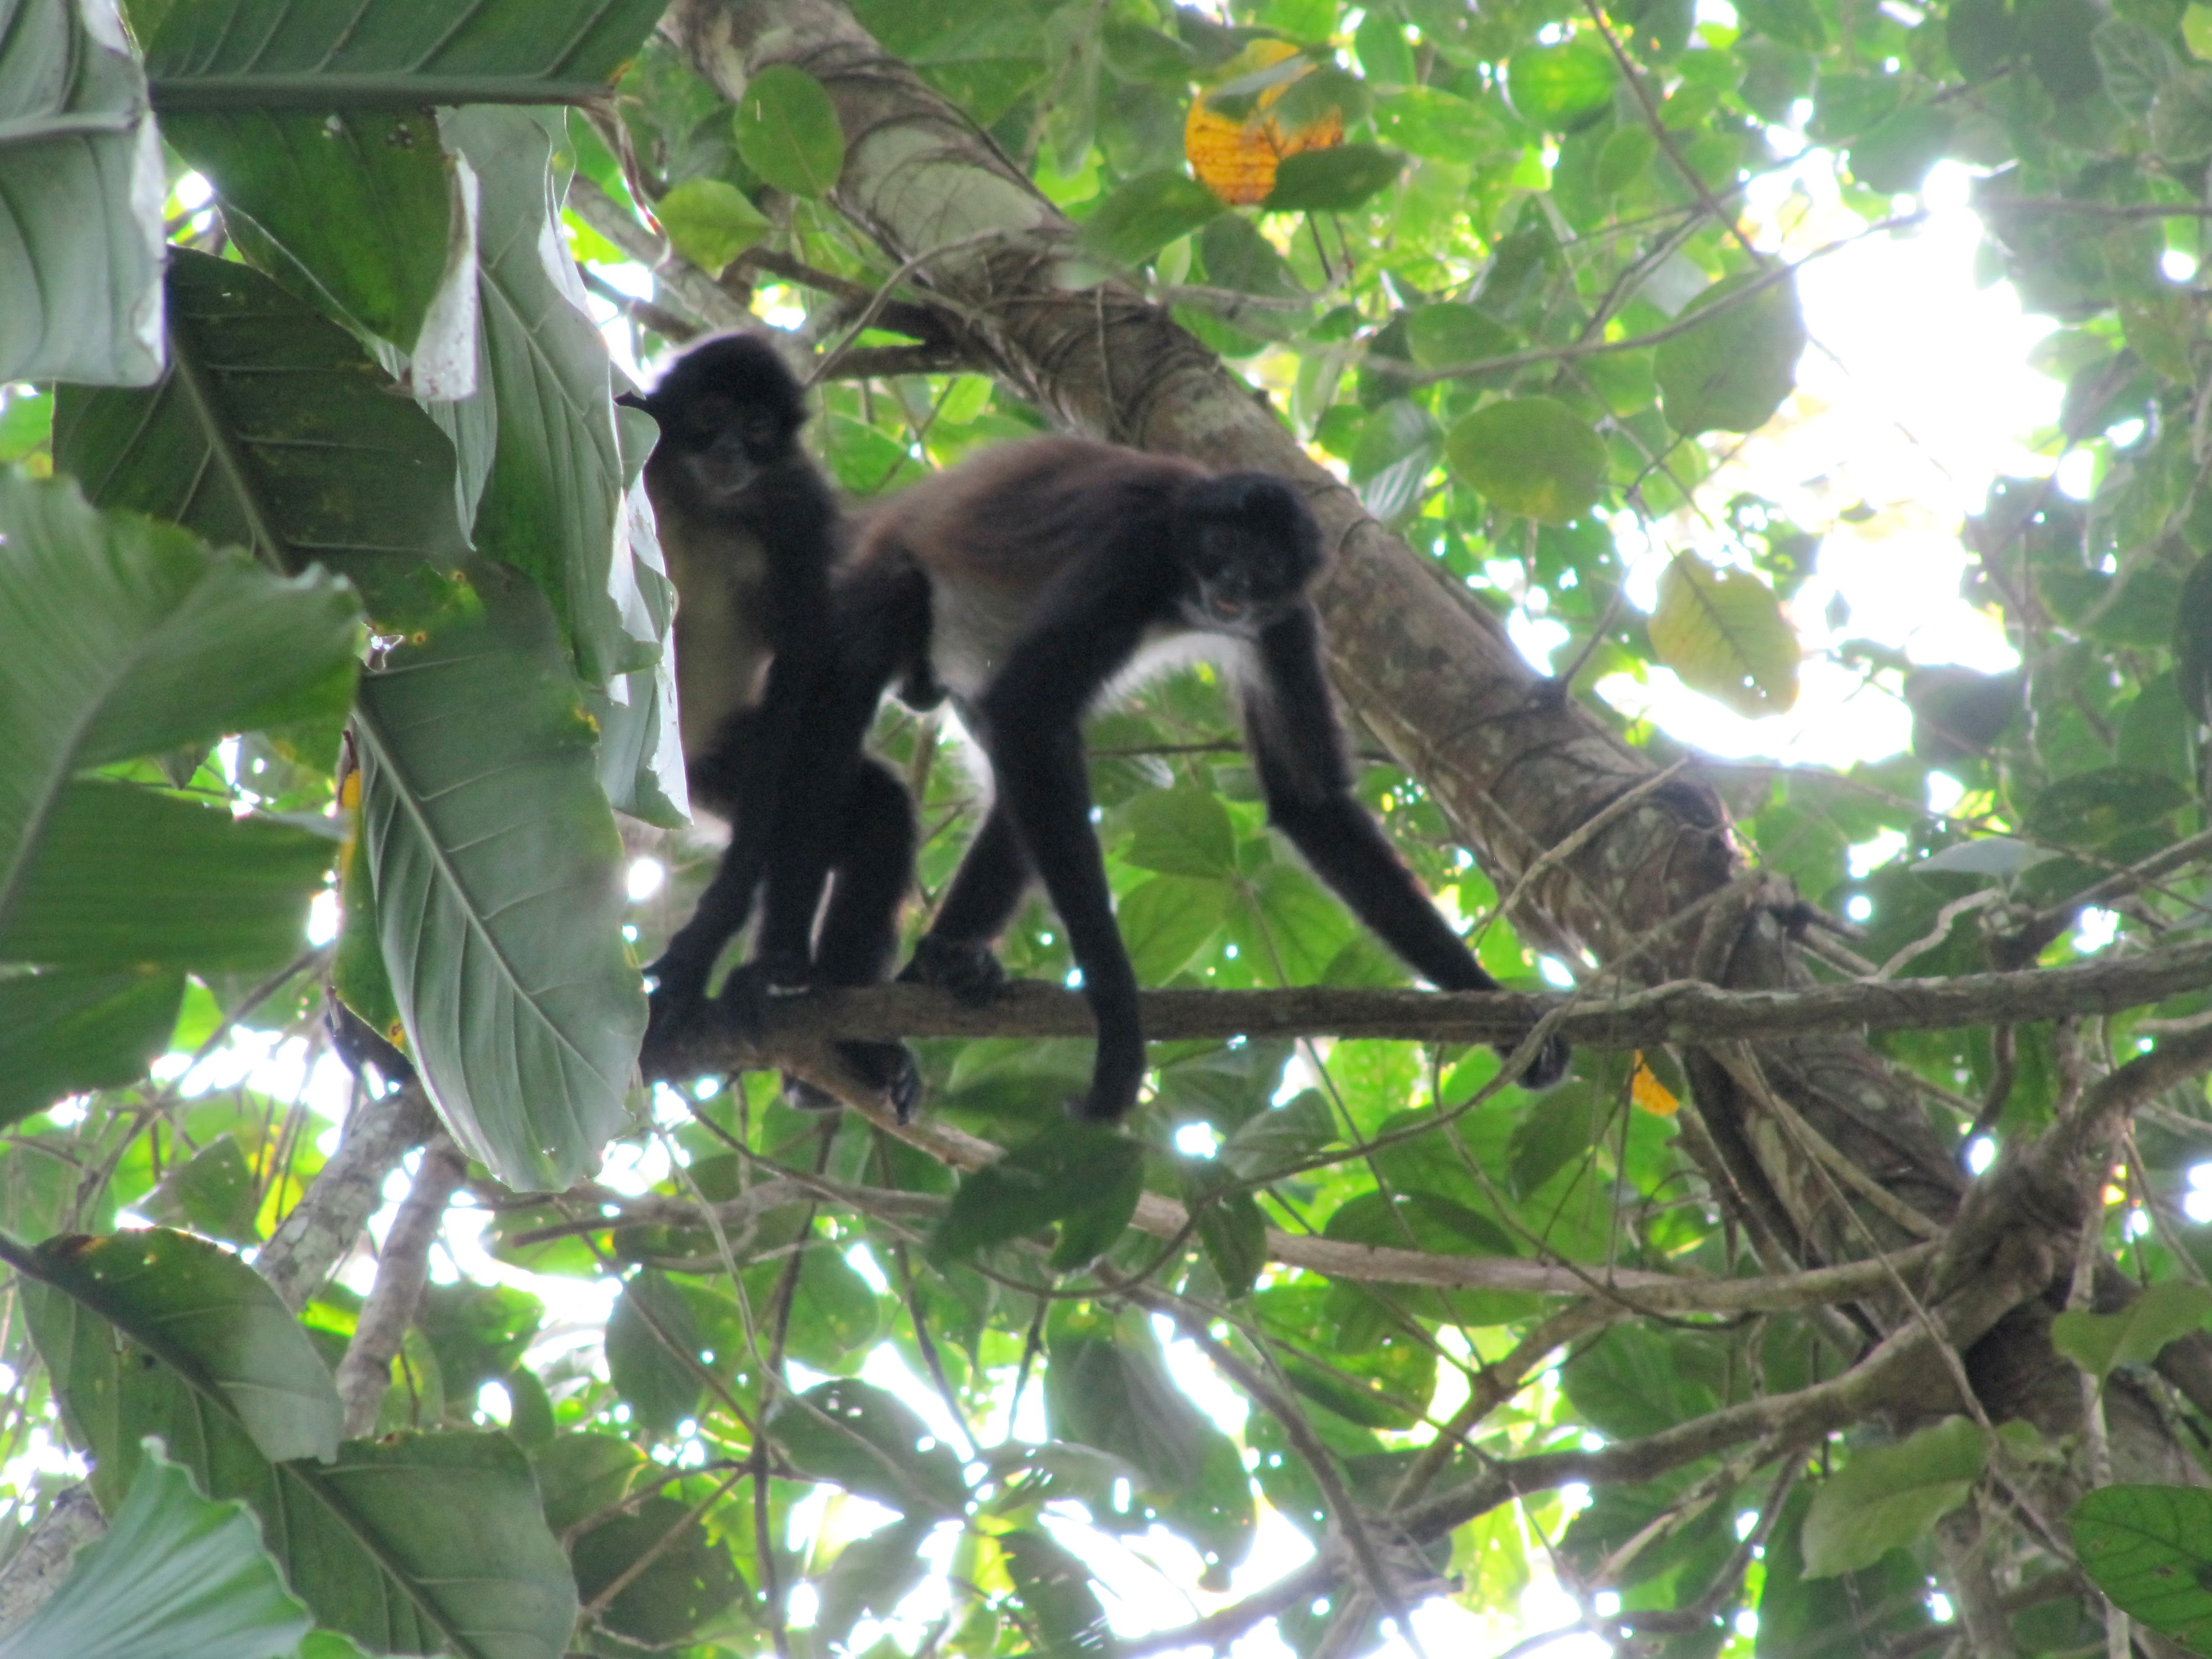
(1031, 583)
(751, 532)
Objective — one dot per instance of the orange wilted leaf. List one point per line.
(1232, 140)
(1649, 1093)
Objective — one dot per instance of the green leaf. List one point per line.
(869, 1443)
(215, 1194)
(552, 503)
(2091, 808)
(1229, 1223)
(2137, 62)
(874, 1575)
(1165, 921)
(1069, 1619)
(2181, 116)
(1446, 335)
(2150, 1549)
(1896, 156)
(409, 1543)
(1730, 374)
(175, 1573)
(1181, 832)
(1625, 156)
(1144, 214)
(277, 433)
(1399, 446)
(2192, 641)
(1559, 87)
(2101, 1343)
(1723, 633)
(676, 1575)
(119, 637)
(1532, 456)
(710, 221)
(126, 875)
(1108, 1388)
(1334, 180)
(228, 54)
(1074, 1171)
(1888, 1496)
(787, 131)
(1267, 1142)
(73, 1029)
(582, 1473)
(2058, 34)
(1793, 22)
(1982, 36)
(1237, 256)
(156, 1332)
(649, 1333)
(365, 204)
(1637, 1381)
(497, 873)
(1437, 125)
(1088, 1232)
(81, 190)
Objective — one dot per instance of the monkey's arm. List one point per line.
(1298, 748)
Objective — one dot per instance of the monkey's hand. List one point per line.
(887, 1068)
(963, 967)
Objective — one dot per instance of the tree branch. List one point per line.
(401, 1274)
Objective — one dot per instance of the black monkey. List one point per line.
(751, 531)
(1029, 583)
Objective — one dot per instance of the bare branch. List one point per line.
(401, 1273)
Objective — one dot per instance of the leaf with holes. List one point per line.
(1723, 633)
(2150, 1549)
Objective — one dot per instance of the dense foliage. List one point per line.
(334, 712)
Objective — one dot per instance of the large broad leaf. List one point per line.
(175, 1573)
(76, 1029)
(1888, 1498)
(1529, 455)
(710, 221)
(1333, 180)
(273, 430)
(1730, 374)
(1065, 1613)
(1722, 631)
(120, 638)
(871, 1442)
(161, 1332)
(552, 505)
(2150, 1549)
(410, 1544)
(366, 206)
(2192, 641)
(229, 54)
(81, 191)
(675, 1575)
(126, 874)
(1560, 87)
(499, 897)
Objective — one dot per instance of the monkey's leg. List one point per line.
(859, 939)
(986, 891)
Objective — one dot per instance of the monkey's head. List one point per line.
(728, 410)
(1251, 545)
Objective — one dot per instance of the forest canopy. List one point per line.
(364, 1296)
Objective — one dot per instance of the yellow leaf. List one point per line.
(1235, 154)
(1649, 1093)
(1723, 633)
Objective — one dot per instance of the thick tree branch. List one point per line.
(1681, 1010)
(322, 1227)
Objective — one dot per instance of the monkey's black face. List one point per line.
(1250, 547)
(728, 410)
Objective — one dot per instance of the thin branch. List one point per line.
(401, 1274)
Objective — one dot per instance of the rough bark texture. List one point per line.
(1656, 893)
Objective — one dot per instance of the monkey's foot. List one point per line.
(1549, 1066)
(886, 1067)
(963, 967)
(753, 986)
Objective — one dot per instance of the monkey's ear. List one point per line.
(635, 400)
